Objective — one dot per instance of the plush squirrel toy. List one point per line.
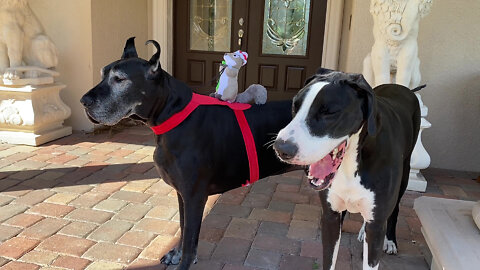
(227, 88)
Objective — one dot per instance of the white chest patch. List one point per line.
(346, 192)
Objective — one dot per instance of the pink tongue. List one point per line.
(322, 168)
(329, 164)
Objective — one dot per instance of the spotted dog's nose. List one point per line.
(86, 101)
(285, 149)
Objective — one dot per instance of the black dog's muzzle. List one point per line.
(90, 117)
(86, 101)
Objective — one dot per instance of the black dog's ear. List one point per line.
(129, 50)
(358, 82)
(155, 60)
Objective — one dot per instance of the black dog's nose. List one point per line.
(86, 101)
(285, 149)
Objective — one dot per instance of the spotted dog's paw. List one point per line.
(11, 75)
(361, 234)
(172, 257)
(389, 246)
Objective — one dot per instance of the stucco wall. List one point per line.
(113, 22)
(162, 30)
(449, 51)
(90, 34)
(68, 23)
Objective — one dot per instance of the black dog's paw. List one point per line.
(172, 257)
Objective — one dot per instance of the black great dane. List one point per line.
(357, 143)
(203, 155)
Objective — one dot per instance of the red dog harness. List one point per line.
(237, 108)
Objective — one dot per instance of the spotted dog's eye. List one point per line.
(235, 55)
(323, 113)
(329, 111)
(323, 110)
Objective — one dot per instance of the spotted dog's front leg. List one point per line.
(361, 233)
(373, 244)
(331, 232)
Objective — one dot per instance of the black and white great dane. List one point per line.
(204, 155)
(357, 143)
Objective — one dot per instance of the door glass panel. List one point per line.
(285, 27)
(210, 25)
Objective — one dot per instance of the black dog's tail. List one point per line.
(419, 88)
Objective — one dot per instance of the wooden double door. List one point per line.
(283, 39)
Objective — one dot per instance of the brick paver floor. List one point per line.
(94, 201)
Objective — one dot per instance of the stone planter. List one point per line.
(450, 233)
(476, 214)
(420, 157)
(32, 114)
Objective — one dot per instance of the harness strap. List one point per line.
(250, 146)
(175, 119)
(237, 108)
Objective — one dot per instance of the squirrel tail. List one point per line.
(255, 92)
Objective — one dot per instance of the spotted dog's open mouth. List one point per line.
(321, 173)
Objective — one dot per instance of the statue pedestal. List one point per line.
(416, 181)
(32, 114)
(420, 158)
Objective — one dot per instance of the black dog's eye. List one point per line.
(118, 79)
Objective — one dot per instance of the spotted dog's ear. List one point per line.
(320, 73)
(129, 50)
(309, 79)
(324, 71)
(154, 60)
(358, 82)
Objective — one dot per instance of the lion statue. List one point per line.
(22, 38)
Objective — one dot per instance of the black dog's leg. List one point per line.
(390, 245)
(373, 243)
(331, 232)
(193, 207)
(174, 255)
